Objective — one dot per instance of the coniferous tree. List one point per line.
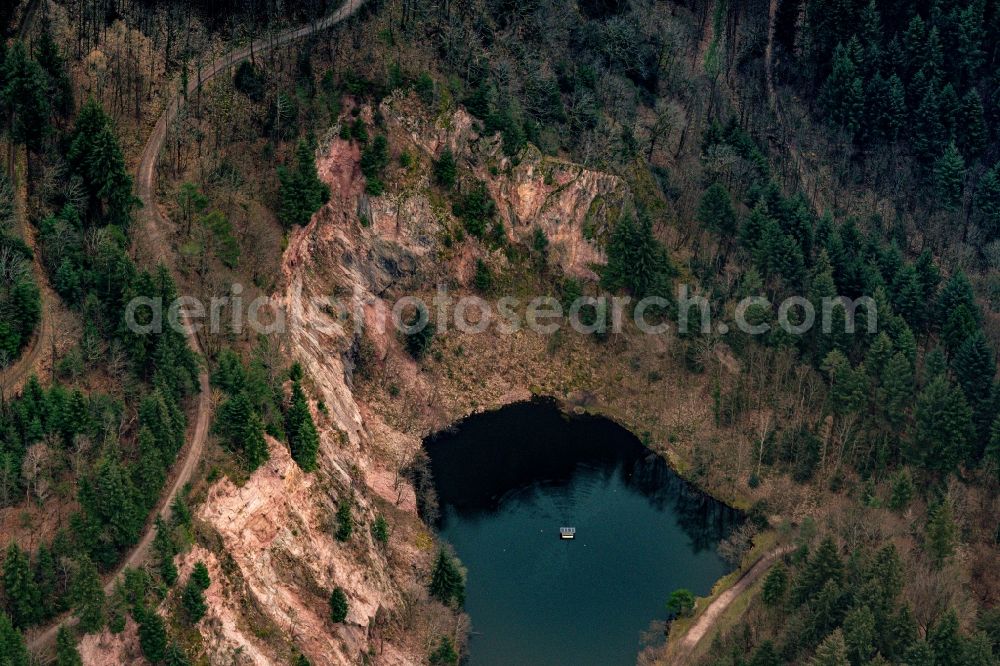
(25, 95)
(919, 653)
(637, 261)
(447, 583)
(899, 634)
(766, 655)
(896, 391)
(232, 418)
(380, 530)
(23, 599)
(977, 650)
(229, 373)
(987, 203)
(193, 601)
(752, 230)
(107, 497)
(199, 574)
(775, 585)
(175, 656)
(418, 337)
(908, 296)
(824, 566)
(243, 429)
(13, 649)
(887, 575)
(945, 641)
(928, 134)
(152, 636)
(902, 490)
(7, 210)
(974, 368)
(338, 605)
(950, 107)
(50, 585)
(940, 534)
(149, 471)
(254, 446)
(475, 208)
(302, 436)
(949, 177)
(165, 550)
(928, 275)
(832, 651)
(302, 193)
(716, 210)
(960, 324)
(345, 521)
(95, 155)
(878, 356)
(957, 293)
(180, 512)
(860, 634)
(87, 597)
(374, 159)
(842, 95)
(444, 654)
(993, 446)
(943, 430)
(972, 134)
(848, 386)
(828, 607)
(915, 44)
(895, 108)
(60, 88)
(870, 34)
(66, 652)
(445, 169)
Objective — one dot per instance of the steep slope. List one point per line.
(275, 531)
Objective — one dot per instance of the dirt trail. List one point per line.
(156, 236)
(14, 376)
(772, 96)
(797, 161)
(707, 619)
(707, 35)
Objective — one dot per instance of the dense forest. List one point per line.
(897, 100)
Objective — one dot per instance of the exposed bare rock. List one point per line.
(281, 558)
(277, 530)
(571, 204)
(107, 649)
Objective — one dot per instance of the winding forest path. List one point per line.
(707, 620)
(797, 161)
(772, 96)
(13, 376)
(155, 234)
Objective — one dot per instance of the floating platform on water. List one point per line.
(567, 533)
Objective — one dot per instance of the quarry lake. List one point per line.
(508, 480)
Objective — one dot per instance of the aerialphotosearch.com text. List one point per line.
(688, 312)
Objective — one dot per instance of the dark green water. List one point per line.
(508, 480)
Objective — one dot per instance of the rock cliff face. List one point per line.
(277, 534)
(277, 558)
